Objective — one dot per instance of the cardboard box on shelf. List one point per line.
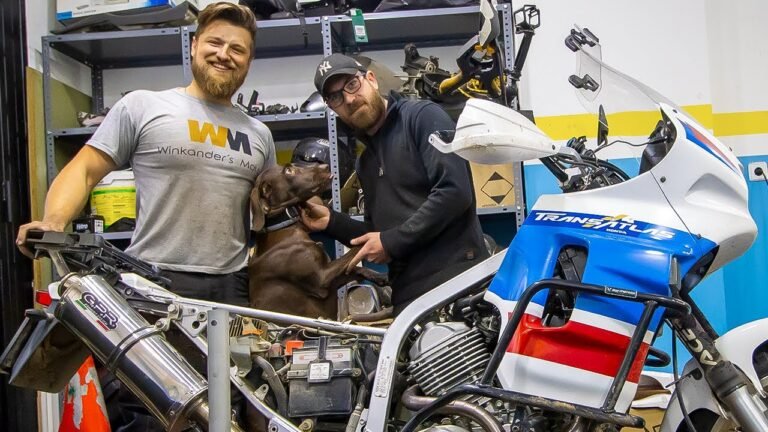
(494, 185)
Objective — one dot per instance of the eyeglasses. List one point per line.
(334, 99)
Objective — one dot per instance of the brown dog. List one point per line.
(290, 272)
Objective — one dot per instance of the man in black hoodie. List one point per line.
(420, 214)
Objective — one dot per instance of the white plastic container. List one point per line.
(114, 197)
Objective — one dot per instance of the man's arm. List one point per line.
(111, 146)
(339, 226)
(343, 228)
(450, 196)
(69, 191)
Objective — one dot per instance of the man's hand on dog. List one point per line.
(315, 216)
(372, 250)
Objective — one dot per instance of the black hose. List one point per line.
(620, 172)
(661, 358)
(678, 390)
(554, 168)
(373, 316)
(269, 374)
(466, 302)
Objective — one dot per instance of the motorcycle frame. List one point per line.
(192, 317)
(220, 375)
(605, 414)
(215, 317)
(726, 381)
(393, 339)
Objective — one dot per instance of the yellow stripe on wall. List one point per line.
(630, 123)
(741, 123)
(637, 123)
(702, 114)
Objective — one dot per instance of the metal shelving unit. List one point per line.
(99, 51)
(294, 126)
(283, 37)
(171, 46)
(274, 38)
(127, 235)
(392, 30)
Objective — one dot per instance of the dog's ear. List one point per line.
(260, 202)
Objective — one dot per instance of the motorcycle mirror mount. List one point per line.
(602, 128)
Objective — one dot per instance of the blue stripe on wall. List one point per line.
(730, 297)
(746, 279)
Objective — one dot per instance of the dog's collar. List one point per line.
(285, 218)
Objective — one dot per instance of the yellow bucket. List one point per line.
(115, 197)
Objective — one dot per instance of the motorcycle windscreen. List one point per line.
(700, 177)
(43, 355)
(627, 117)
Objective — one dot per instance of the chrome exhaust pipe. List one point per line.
(134, 350)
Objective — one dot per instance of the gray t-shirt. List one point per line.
(195, 164)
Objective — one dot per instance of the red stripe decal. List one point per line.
(576, 345)
(101, 324)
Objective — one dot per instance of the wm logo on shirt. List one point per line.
(219, 136)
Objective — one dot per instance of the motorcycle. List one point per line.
(628, 239)
(548, 335)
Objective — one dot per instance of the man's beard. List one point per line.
(367, 119)
(218, 87)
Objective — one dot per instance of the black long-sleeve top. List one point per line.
(421, 200)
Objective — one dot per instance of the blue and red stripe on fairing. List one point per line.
(696, 137)
(634, 258)
(578, 345)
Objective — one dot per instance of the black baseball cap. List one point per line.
(335, 64)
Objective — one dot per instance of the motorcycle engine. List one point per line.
(446, 355)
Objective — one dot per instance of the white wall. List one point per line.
(666, 52)
(41, 18)
(738, 41)
(694, 52)
(739, 54)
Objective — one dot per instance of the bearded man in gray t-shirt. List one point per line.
(195, 157)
